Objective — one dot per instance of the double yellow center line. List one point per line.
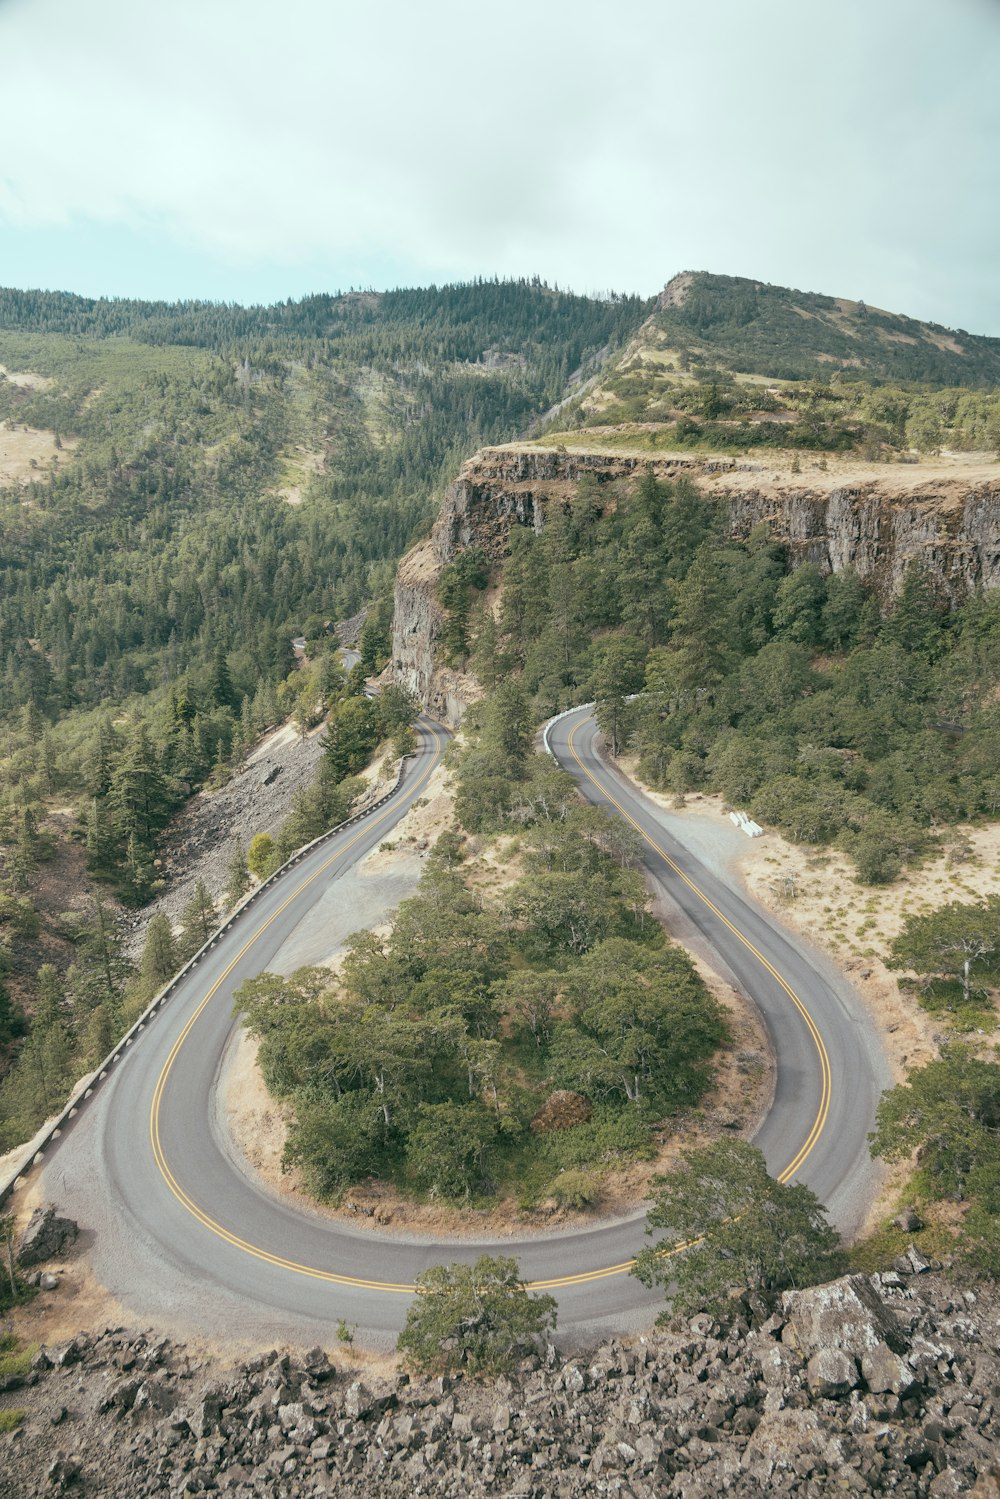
(360, 1283)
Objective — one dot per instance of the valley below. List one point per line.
(427, 1089)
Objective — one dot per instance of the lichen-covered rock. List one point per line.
(710, 1409)
(832, 1372)
(885, 1372)
(847, 1314)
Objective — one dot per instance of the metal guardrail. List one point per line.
(100, 1073)
(546, 745)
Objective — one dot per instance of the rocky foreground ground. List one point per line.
(864, 1386)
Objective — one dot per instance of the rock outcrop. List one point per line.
(873, 525)
(784, 1407)
(47, 1235)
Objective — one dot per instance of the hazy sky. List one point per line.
(236, 150)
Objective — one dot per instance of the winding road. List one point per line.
(181, 1233)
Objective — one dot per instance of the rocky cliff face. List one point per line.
(872, 521)
(888, 1385)
(416, 625)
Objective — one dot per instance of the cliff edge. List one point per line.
(869, 518)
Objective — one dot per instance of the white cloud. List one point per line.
(840, 145)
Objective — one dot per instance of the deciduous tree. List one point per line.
(731, 1227)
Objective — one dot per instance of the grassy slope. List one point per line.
(732, 365)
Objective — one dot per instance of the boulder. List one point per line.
(358, 1401)
(791, 1441)
(847, 1314)
(988, 1484)
(885, 1373)
(46, 1236)
(832, 1372)
(909, 1220)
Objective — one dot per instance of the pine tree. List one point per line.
(101, 843)
(50, 994)
(701, 623)
(138, 793)
(25, 860)
(350, 736)
(159, 960)
(101, 758)
(198, 918)
(915, 622)
(237, 877)
(138, 869)
(266, 712)
(48, 765)
(687, 521)
(220, 683)
(32, 723)
(643, 584)
(650, 499)
(488, 659)
(619, 674)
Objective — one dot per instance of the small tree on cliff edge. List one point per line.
(740, 1230)
(480, 1318)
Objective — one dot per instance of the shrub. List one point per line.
(479, 1317)
(574, 1189)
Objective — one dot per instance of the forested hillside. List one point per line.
(732, 365)
(754, 328)
(789, 691)
(183, 490)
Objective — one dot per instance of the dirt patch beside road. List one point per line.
(363, 899)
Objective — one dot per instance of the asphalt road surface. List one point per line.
(831, 1067)
(181, 1234)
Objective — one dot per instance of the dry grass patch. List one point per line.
(28, 453)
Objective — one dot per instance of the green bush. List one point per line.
(479, 1318)
(574, 1189)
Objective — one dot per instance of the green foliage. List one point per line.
(947, 1116)
(351, 735)
(199, 919)
(948, 1111)
(574, 1189)
(645, 1028)
(153, 577)
(15, 1361)
(784, 689)
(263, 858)
(237, 877)
(430, 1056)
(947, 947)
(478, 1318)
(37, 1082)
(980, 1239)
(774, 330)
(448, 1148)
(732, 1228)
(335, 1142)
(469, 572)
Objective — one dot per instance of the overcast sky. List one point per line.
(236, 150)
